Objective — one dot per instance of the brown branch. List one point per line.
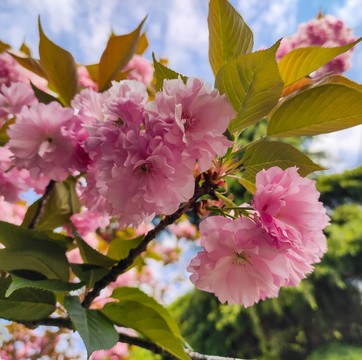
(125, 263)
(58, 322)
(148, 345)
(42, 201)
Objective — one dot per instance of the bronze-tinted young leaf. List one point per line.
(253, 86)
(4, 137)
(229, 36)
(115, 57)
(300, 62)
(93, 71)
(97, 332)
(42, 96)
(138, 311)
(62, 203)
(25, 304)
(163, 72)
(4, 47)
(319, 110)
(59, 67)
(266, 154)
(31, 64)
(142, 44)
(25, 49)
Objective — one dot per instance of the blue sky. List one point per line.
(177, 30)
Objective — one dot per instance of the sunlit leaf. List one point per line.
(25, 49)
(97, 332)
(93, 71)
(25, 304)
(248, 185)
(142, 44)
(31, 64)
(138, 311)
(62, 203)
(266, 154)
(115, 57)
(319, 110)
(300, 62)
(229, 36)
(59, 67)
(119, 248)
(162, 72)
(253, 86)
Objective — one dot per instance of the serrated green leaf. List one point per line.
(90, 255)
(97, 332)
(253, 86)
(25, 304)
(61, 204)
(115, 57)
(89, 273)
(32, 250)
(229, 36)
(163, 72)
(300, 62)
(31, 64)
(42, 96)
(143, 314)
(142, 44)
(59, 67)
(25, 49)
(46, 284)
(119, 248)
(319, 110)
(339, 79)
(266, 154)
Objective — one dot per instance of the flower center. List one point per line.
(241, 258)
(144, 169)
(188, 121)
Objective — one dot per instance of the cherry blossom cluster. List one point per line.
(326, 31)
(249, 258)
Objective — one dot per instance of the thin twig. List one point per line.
(125, 263)
(42, 201)
(58, 322)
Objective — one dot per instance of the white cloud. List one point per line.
(350, 12)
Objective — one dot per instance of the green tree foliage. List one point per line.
(325, 307)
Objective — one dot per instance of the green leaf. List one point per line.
(120, 248)
(137, 310)
(31, 64)
(59, 67)
(32, 250)
(46, 284)
(62, 203)
(266, 154)
(253, 86)
(163, 72)
(42, 96)
(300, 62)
(248, 185)
(25, 304)
(318, 110)
(229, 36)
(25, 49)
(89, 273)
(115, 57)
(142, 44)
(97, 332)
(90, 255)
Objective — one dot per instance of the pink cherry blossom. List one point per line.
(326, 31)
(237, 264)
(200, 112)
(141, 70)
(12, 213)
(45, 141)
(87, 222)
(288, 206)
(14, 97)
